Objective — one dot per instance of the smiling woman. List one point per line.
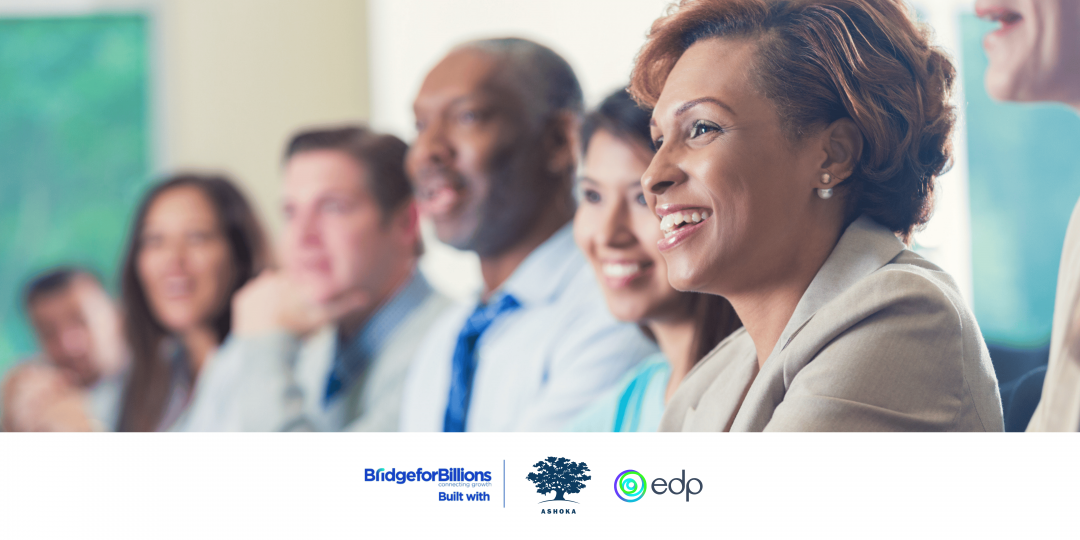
(617, 232)
(1035, 56)
(194, 243)
(797, 140)
(1034, 52)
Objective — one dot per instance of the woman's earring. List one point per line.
(827, 192)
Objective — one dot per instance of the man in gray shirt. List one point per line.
(324, 343)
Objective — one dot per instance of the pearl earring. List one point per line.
(826, 178)
(824, 193)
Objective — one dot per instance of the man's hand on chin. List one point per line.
(273, 302)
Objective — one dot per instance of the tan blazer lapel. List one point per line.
(762, 397)
(713, 391)
(865, 247)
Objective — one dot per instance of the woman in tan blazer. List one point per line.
(798, 147)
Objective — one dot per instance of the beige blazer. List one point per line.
(1059, 408)
(880, 341)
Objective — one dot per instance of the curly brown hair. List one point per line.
(822, 60)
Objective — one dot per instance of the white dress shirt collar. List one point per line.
(545, 272)
(538, 366)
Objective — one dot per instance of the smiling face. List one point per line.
(473, 165)
(1035, 54)
(337, 238)
(617, 232)
(184, 264)
(732, 190)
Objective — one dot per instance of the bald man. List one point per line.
(493, 166)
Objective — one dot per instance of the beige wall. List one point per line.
(237, 77)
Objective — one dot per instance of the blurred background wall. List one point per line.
(100, 97)
(237, 77)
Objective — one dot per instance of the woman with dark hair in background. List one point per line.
(618, 234)
(194, 243)
(798, 144)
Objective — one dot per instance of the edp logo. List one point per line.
(630, 486)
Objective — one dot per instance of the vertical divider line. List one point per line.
(504, 483)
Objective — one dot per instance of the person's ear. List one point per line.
(561, 142)
(405, 223)
(842, 145)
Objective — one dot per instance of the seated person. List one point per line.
(194, 243)
(324, 343)
(76, 383)
(493, 166)
(1038, 60)
(618, 234)
(809, 174)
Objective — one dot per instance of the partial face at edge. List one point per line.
(1035, 54)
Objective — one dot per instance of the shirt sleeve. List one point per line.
(244, 385)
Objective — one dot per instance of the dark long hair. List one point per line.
(619, 115)
(151, 373)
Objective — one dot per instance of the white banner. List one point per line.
(538, 485)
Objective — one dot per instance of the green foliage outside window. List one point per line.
(74, 151)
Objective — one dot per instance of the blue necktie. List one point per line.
(461, 380)
(348, 365)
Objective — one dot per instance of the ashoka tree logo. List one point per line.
(559, 475)
(630, 485)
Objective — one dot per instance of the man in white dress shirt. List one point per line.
(325, 343)
(493, 167)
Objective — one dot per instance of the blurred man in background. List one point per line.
(324, 343)
(493, 166)
(76, 383)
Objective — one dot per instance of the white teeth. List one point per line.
(671, 222)
(620, 270)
